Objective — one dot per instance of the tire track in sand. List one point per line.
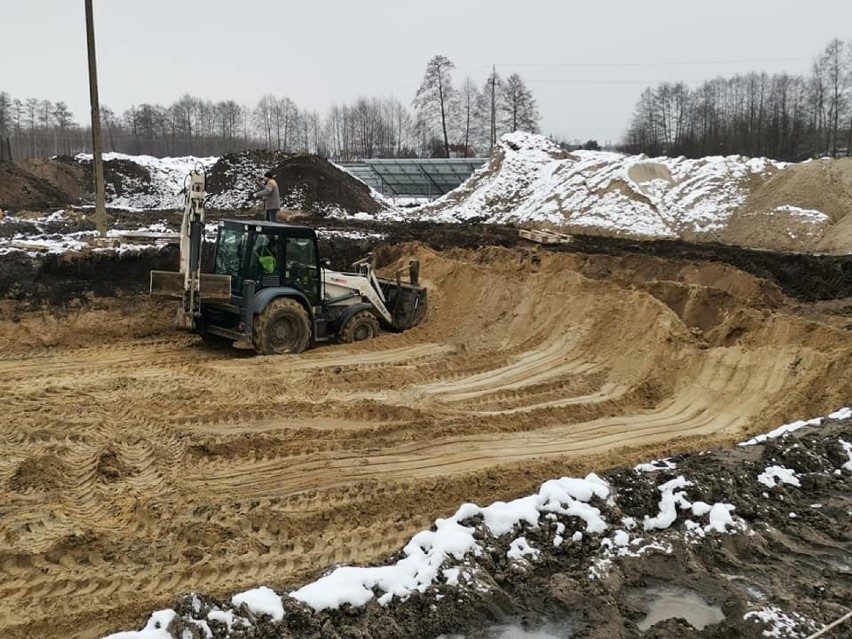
(148, 468)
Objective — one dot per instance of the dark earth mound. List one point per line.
(805, 276)
(21, 190)
(64, 173)
(306, 182)
(55, 279)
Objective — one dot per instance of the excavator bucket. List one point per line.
(214, 288)
(406, 302)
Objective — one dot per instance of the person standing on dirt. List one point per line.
(270, 194)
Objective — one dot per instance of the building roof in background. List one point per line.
(426, 178)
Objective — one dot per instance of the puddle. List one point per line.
(666, 603)
(516, 631)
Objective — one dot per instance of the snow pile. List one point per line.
(154, 629)
(531, 180)
(159, 190)
(427, 551)
(791, 427)
(654, 466)
(718, 514)
(847, 447)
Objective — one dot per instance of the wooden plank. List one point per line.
(544, 236)
(29, 246)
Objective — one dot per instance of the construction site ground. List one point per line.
(139, 464)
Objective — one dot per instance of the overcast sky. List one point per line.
(586, 62)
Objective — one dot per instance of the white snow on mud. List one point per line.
(166, 183)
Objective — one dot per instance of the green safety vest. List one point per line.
(267, 261)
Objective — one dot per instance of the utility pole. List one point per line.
(493, 82)
(97, 159)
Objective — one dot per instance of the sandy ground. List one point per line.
(140, 465)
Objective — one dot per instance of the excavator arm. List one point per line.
(189, 284)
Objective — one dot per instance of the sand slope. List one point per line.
(141, 465)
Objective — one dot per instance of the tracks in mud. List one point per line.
(144, 468)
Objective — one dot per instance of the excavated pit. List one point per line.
(142, 465)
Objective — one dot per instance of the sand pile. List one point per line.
(804, 206)
(745, 201)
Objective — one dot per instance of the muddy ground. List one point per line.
(141, 465)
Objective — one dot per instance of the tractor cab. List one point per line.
(271, 255)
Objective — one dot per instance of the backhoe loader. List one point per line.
(269, 289)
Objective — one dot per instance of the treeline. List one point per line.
(442, 120)
(783, 116)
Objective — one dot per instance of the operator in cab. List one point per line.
(268, 190)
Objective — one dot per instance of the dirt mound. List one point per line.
(42, 184)
(801, 207)
(821, 185)
(312, 183)
(122, 178)
(63, 173)
(55, 279)
(306, 182)
(21, 190)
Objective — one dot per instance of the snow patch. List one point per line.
(773, 474)
(261, 601)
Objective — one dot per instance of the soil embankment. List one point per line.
(143, 465)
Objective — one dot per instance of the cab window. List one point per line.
(301, 268)
(229, 255)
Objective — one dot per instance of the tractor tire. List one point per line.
(282, 327)
(361, 326)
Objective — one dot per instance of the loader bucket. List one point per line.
(406, 302)
(213, 288)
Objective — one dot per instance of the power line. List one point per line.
(662, 63)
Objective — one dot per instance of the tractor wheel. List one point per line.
(363, 325)
(282, 327)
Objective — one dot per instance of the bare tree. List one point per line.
(488, 127)
(284, 121)
(788, 117)
(833, 69)
(5, 113)
(64, 120)
(184, 114)
(263, 117)
(517, 105)
(468, 102)
(434, 99)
